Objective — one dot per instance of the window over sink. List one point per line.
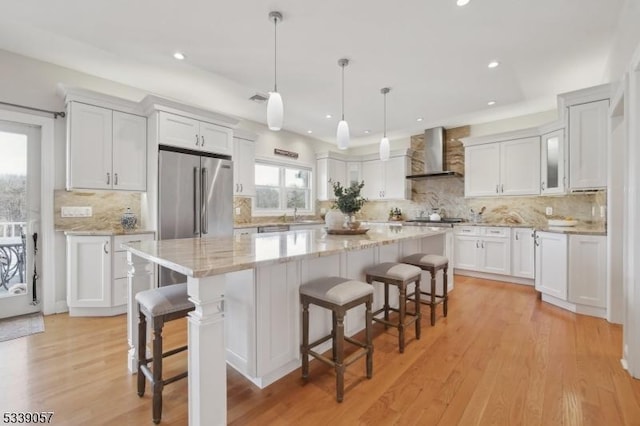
(281, 188)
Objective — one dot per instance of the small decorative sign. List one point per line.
(285, 153)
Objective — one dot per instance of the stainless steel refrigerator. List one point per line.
(195, 198)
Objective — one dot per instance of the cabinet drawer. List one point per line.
(118, 240)
(496, 232)
(466, 230)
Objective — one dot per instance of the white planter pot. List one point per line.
(334, 219)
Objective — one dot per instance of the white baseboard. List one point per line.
(495, 277)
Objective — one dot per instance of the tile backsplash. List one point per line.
(107, 206)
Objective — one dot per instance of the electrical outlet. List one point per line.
(76, 211)
(549, 211)
(238, 210)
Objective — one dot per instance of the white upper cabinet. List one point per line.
(553, 178)
(129, 152)
(482, 170)
(520, 167)
(106, 149)
(386, 180)
(588, 135)
(503, 168)
(329, 168)
(244, 163)
(185, 132)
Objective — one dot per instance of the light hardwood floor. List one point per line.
(501, 357)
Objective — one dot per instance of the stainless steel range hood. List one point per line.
(433, 155)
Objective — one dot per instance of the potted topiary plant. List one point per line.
(349, 201)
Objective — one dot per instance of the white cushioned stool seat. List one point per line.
(399, 271)
(164, 300)
(336, 289)
(432, 260)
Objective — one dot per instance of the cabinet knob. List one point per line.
(542, 186)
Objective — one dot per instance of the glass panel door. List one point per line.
(19, 216)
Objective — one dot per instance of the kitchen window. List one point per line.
(281, 188)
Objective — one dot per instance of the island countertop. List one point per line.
(201, 257)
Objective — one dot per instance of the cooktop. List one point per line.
(443, 220)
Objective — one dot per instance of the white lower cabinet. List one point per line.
(97, 274)
(483, 249)
(551, 264)
(522, 253)
(588, 270)
(571, 271)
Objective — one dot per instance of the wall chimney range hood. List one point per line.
(433, 155)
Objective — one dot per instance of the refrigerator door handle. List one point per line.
(196, 220)
(204, 224)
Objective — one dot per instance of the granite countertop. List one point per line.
(99, 232)
(201, 257)
(257, 224)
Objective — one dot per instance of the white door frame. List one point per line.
(47, 177)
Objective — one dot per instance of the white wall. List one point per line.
(625, 42)
(514, 123)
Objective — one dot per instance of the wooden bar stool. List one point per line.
(432, 263)
(400, 275)
(158, 306)
(338, 295)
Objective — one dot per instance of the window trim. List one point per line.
(288, 164)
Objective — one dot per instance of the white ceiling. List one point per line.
(432, 53)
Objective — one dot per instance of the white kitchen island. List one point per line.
(245, 289)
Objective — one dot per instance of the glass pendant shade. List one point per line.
(384, 149)
(275, 111)
(343, 135)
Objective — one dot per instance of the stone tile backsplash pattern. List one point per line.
(107, 206)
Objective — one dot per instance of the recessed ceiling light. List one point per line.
(462, 2)
(179, 56)
(328, 116)
(419, 119)
(367, 132)
(493, 64)
(309, 131)
(491, 103)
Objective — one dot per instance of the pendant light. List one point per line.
(275, 107)
(342, 135)
(384, 142)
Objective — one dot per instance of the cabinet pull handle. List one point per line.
(517, 237)
(115, 178)
(497, 187)
(482, 244)
(535, 240)
(202, 140)
(502, 188)
(241, 188)
(104, 247)
(542, 186)
(477, 244)
(495, 232)
(237, 188)
(196, 206)
(197, 140)
(204, 190)
(108, 178)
